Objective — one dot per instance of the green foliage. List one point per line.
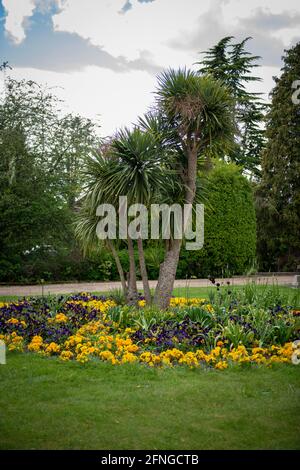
(197, 314)
(233, 65)
(239, 320)
(278, 195)
(229, 239)
(265, 296)
(196, 111)
(117, 295)
(41, 152)
(229, 227)
(121, 314)
(237, 334)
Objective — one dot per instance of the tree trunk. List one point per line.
(144, 273)
(119, 266)
(168, 268)
(132, 294)
(167, 273)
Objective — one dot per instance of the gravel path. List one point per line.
(287, 279)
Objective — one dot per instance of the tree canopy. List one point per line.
(278, 195)
(233, 65)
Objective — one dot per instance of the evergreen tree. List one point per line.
(232, 64)
(41, 156)
(278, 196)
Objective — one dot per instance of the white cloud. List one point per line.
(169, 33)
(156, 26)
(17, 11)
(146, 26)
(115, 99)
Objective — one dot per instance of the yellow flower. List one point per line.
(52, 348)
(106, 355)
(189, 359)
(35, 344)
(100, 305)
(74, 340)
(15, 342)
(209, 308)
(128, 357)
(164, 359)
(221, 365)
(13, 321)
(258, 350)
(66, 355)
(60, 318)
(82, 358)
(216, 352)
(128, 331)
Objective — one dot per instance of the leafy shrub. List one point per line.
(229, 229)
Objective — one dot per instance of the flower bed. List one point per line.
(192, 332)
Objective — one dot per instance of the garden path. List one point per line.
(287, 279)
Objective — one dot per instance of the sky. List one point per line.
(103, 56)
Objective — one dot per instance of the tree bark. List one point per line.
(167, 273)
(119, 266)
(144, 273)
(168, 268)
(132, 294)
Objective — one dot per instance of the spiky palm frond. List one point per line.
(200, 108)
(85, 224)
(131, 167)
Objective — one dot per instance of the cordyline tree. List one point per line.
(232, 64)
(159, 162)
(195, 118)
(128, 166)
(85, 231)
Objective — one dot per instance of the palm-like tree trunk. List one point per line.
(167, 273)
(119, 266)
(168, 268)
(132, 294)
(143, 270)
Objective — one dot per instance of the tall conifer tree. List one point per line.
(231, 63)
(278, 196)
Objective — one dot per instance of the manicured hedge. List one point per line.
(229, 227)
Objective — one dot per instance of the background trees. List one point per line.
(41, 155)
(230, 63)
(278, 195)
(192, 126)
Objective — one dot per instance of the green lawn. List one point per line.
(46, 404)
(204, 291)
(9, 298)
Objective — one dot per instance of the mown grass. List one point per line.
(289, 292)
(47, 404)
